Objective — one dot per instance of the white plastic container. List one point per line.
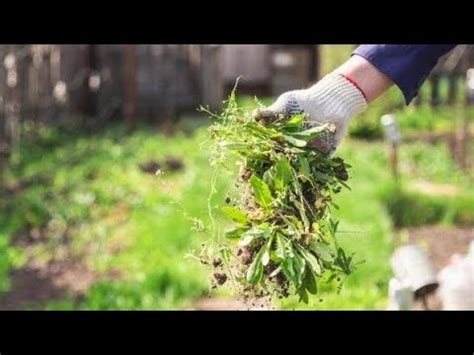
(413, 268)
(457, 283)
(401, 297)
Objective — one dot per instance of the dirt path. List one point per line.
(228, 304)
(442, 242)
(33, 286)
(39, 282)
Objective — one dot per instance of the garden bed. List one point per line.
(442, 242)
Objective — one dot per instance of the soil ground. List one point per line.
(222, 304)
(39, 282)
(441, 244)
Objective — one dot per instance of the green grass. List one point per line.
(434, 164)
(91, 189)
(121, 207)
(4, 262)
(411, 208)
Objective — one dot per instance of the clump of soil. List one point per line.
(173, 164)
(221, 278)
(217, 262)
(150, 167)
(169, 164)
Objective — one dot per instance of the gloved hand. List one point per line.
(335, 99)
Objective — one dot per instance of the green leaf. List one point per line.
(323, 251)
(280, 246)
(345, 185)
(310, 259)
(299, 266)
(293, 222)
(295, 141)
(255, 233)
(265, 258)
(255, 271)
(248, 238)
(275, 272)
(309, 133)
(303, 295)
(305, 170)
(322, 176)
(235, 233)
(266, 253)
(333, 226)
(234, 145)
(332, 277)
(313, 263)
(264, 131)
(262, 193)
(288, 270)
(268, 178)
(235, 214)
(295, 122)
(343, 261)
(302, 212)
(283, 173)
(310, 282)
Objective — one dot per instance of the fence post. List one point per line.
(453, 89)
(3, 138)
(211, 77)
(463, 134)
(130, 85)
(314, 69)
(435, 99)
(9, 119)
(91, 85)
(394, 137)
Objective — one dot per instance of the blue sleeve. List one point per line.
(407, 65)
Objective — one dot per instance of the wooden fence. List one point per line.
(102, 83)
(452, 67)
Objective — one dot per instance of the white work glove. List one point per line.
(332, 100)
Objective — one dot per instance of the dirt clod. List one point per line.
(173, 164)
(150, 167)
(217, 262)
(169, 164)
(245, 255)
(221, 278)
